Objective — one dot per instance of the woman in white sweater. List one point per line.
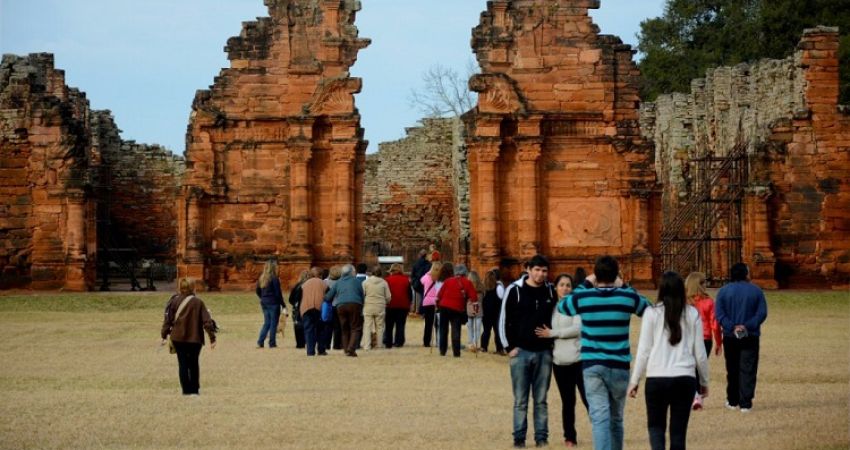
(670, 352)
(566, 357)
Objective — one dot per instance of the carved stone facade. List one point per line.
(556, 159)
(64, 172)
(275, 152)
(417, 193)
(796, 230)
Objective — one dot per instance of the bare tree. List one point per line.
(445, 93)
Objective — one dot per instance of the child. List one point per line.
(698, 298)
(475, 312)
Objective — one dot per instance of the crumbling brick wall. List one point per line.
(796, 225)
(415, 192)
(275, 153)
(556, 159)
(56, 160)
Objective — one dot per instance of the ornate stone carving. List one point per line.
(496, 94)
(335, 97)
(585, 222)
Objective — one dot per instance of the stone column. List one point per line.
(300, 154)
(528, 155)
(75, 237)
(756, 237)
(344, 154)
(486, 154)
(193, 256)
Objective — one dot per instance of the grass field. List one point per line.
(86, 371)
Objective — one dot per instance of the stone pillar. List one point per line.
(75, 238)
(300, 154)
(756, 240)
(641, 267)
(486, 153)
(344, 154)
(193, 256)
(528, 155)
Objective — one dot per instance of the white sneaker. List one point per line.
(728, 406)
(746, 410)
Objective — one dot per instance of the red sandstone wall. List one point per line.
(44, 168)
(275, 155)
(556, 161)
(810, 209)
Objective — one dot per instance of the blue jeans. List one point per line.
(314, 332)
(531, 373)
(271, 317)
(605, 389)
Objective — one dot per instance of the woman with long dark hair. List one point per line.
(566, 356)
(670, 352)
(492, 306)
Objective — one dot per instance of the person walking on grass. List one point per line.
(529, 307)
(271, 302)
(295, 301)
(431, 284)
(475, 312)
(670, 351)
(698, 298)
(605, 306)
(566, 357)
(347, 294)
(420, 268)
(398, 308)
(491, 307)
(186, 319)
(741, 309)
(312, 296)
(456, 291)
(377, 296)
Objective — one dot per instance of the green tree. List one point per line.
(695, 35)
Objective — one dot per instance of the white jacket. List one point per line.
(567, 333)
(659, 359)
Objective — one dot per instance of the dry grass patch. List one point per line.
(85, 371)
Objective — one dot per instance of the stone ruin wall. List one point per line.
(416, 193)
(797, 225)
(557, 162)
(275, 152)
(54, 151)
(140, 184)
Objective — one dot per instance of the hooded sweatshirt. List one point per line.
(377, 294)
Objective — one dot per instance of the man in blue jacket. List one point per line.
(741, 309)
(347, 294)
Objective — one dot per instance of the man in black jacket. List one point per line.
(529, 305)
(420, 268)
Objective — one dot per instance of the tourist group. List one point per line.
(575, 327)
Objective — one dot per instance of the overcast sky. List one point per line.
(144, 59)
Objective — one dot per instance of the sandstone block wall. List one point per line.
(275, 156)
(57, 160)
(796, 231)
(416, 193)
(556, 159)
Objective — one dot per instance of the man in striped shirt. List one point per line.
(605, 306)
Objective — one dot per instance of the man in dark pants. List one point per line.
(741, 309)
(347, 293)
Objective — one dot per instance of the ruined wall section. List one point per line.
(413, 192)
(556, 159)
(139, 184)
(275, 152)
(797, 139)
(47, 240)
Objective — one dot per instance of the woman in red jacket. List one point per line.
(697, 296)
(451, 300)
(398, 308)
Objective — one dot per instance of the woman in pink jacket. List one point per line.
(430, 287)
